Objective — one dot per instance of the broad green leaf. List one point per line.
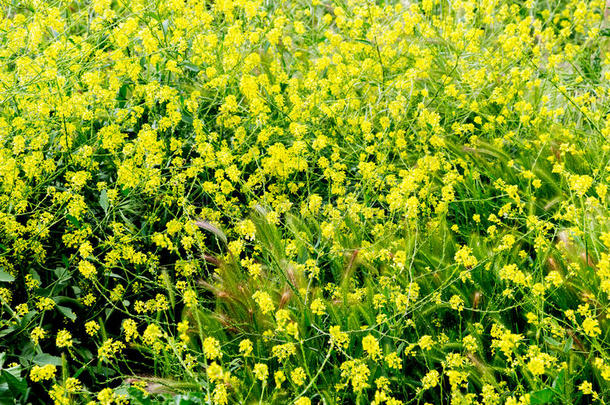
(67, 312)
(104, 203)
(191, 66)
(45, 358)
(73, 220)
(5, 276)
(15, 384)
(544, 396)
(559, 381)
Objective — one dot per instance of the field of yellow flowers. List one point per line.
(304, 202)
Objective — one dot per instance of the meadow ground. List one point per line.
(304, 202)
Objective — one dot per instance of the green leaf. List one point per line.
(104, 203)
(4, 276)
(188, 399)
(6, 396)
(67, 312)
(568, 345)
(552, 341)
(6, 331)
(128, 223)
(363, 41)
(62, 274)
(542, 397)
(15, 384)
(25, 320)
(187, 119)
(559, 382)
(45, 358)
(122, 96)
(73, 220)
(191, 66)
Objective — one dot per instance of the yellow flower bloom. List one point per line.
(298, 376)
(264, 301)
(261, 371)
(245, 347)
(371, 347)
(43, 373)
(211, 348)
(63, 339)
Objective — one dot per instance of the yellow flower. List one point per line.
(457, 303)
(470, 343)
(72, 384)
(264, 301)
(190, 298)
(109, 349)
(394, 360)
(511, 273)
(211, 348)
(220, 395)
(426, 342)
(338, 338)
(174, 226)
(282, 352)
(151, 334)
(430, 380)
(261, 371)
(45, 304)
(591, 327)
(298, 376)
(214, 372)
(586, 387)
(92, 327)
(318, 307)
(63, 339)
(465, 257)
(279, 377)
(37, 334)
(302, 401)
(580, 184)
(371, 347)
(536, 365)
(247, 229)
(106, 396)
(183, 327)
(43, 373)
(130, 329)
(293, 330)
(357, 372)
(87, 269)
(245, 347)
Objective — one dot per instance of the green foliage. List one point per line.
(304, 202)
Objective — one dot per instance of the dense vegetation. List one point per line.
(261, 201)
